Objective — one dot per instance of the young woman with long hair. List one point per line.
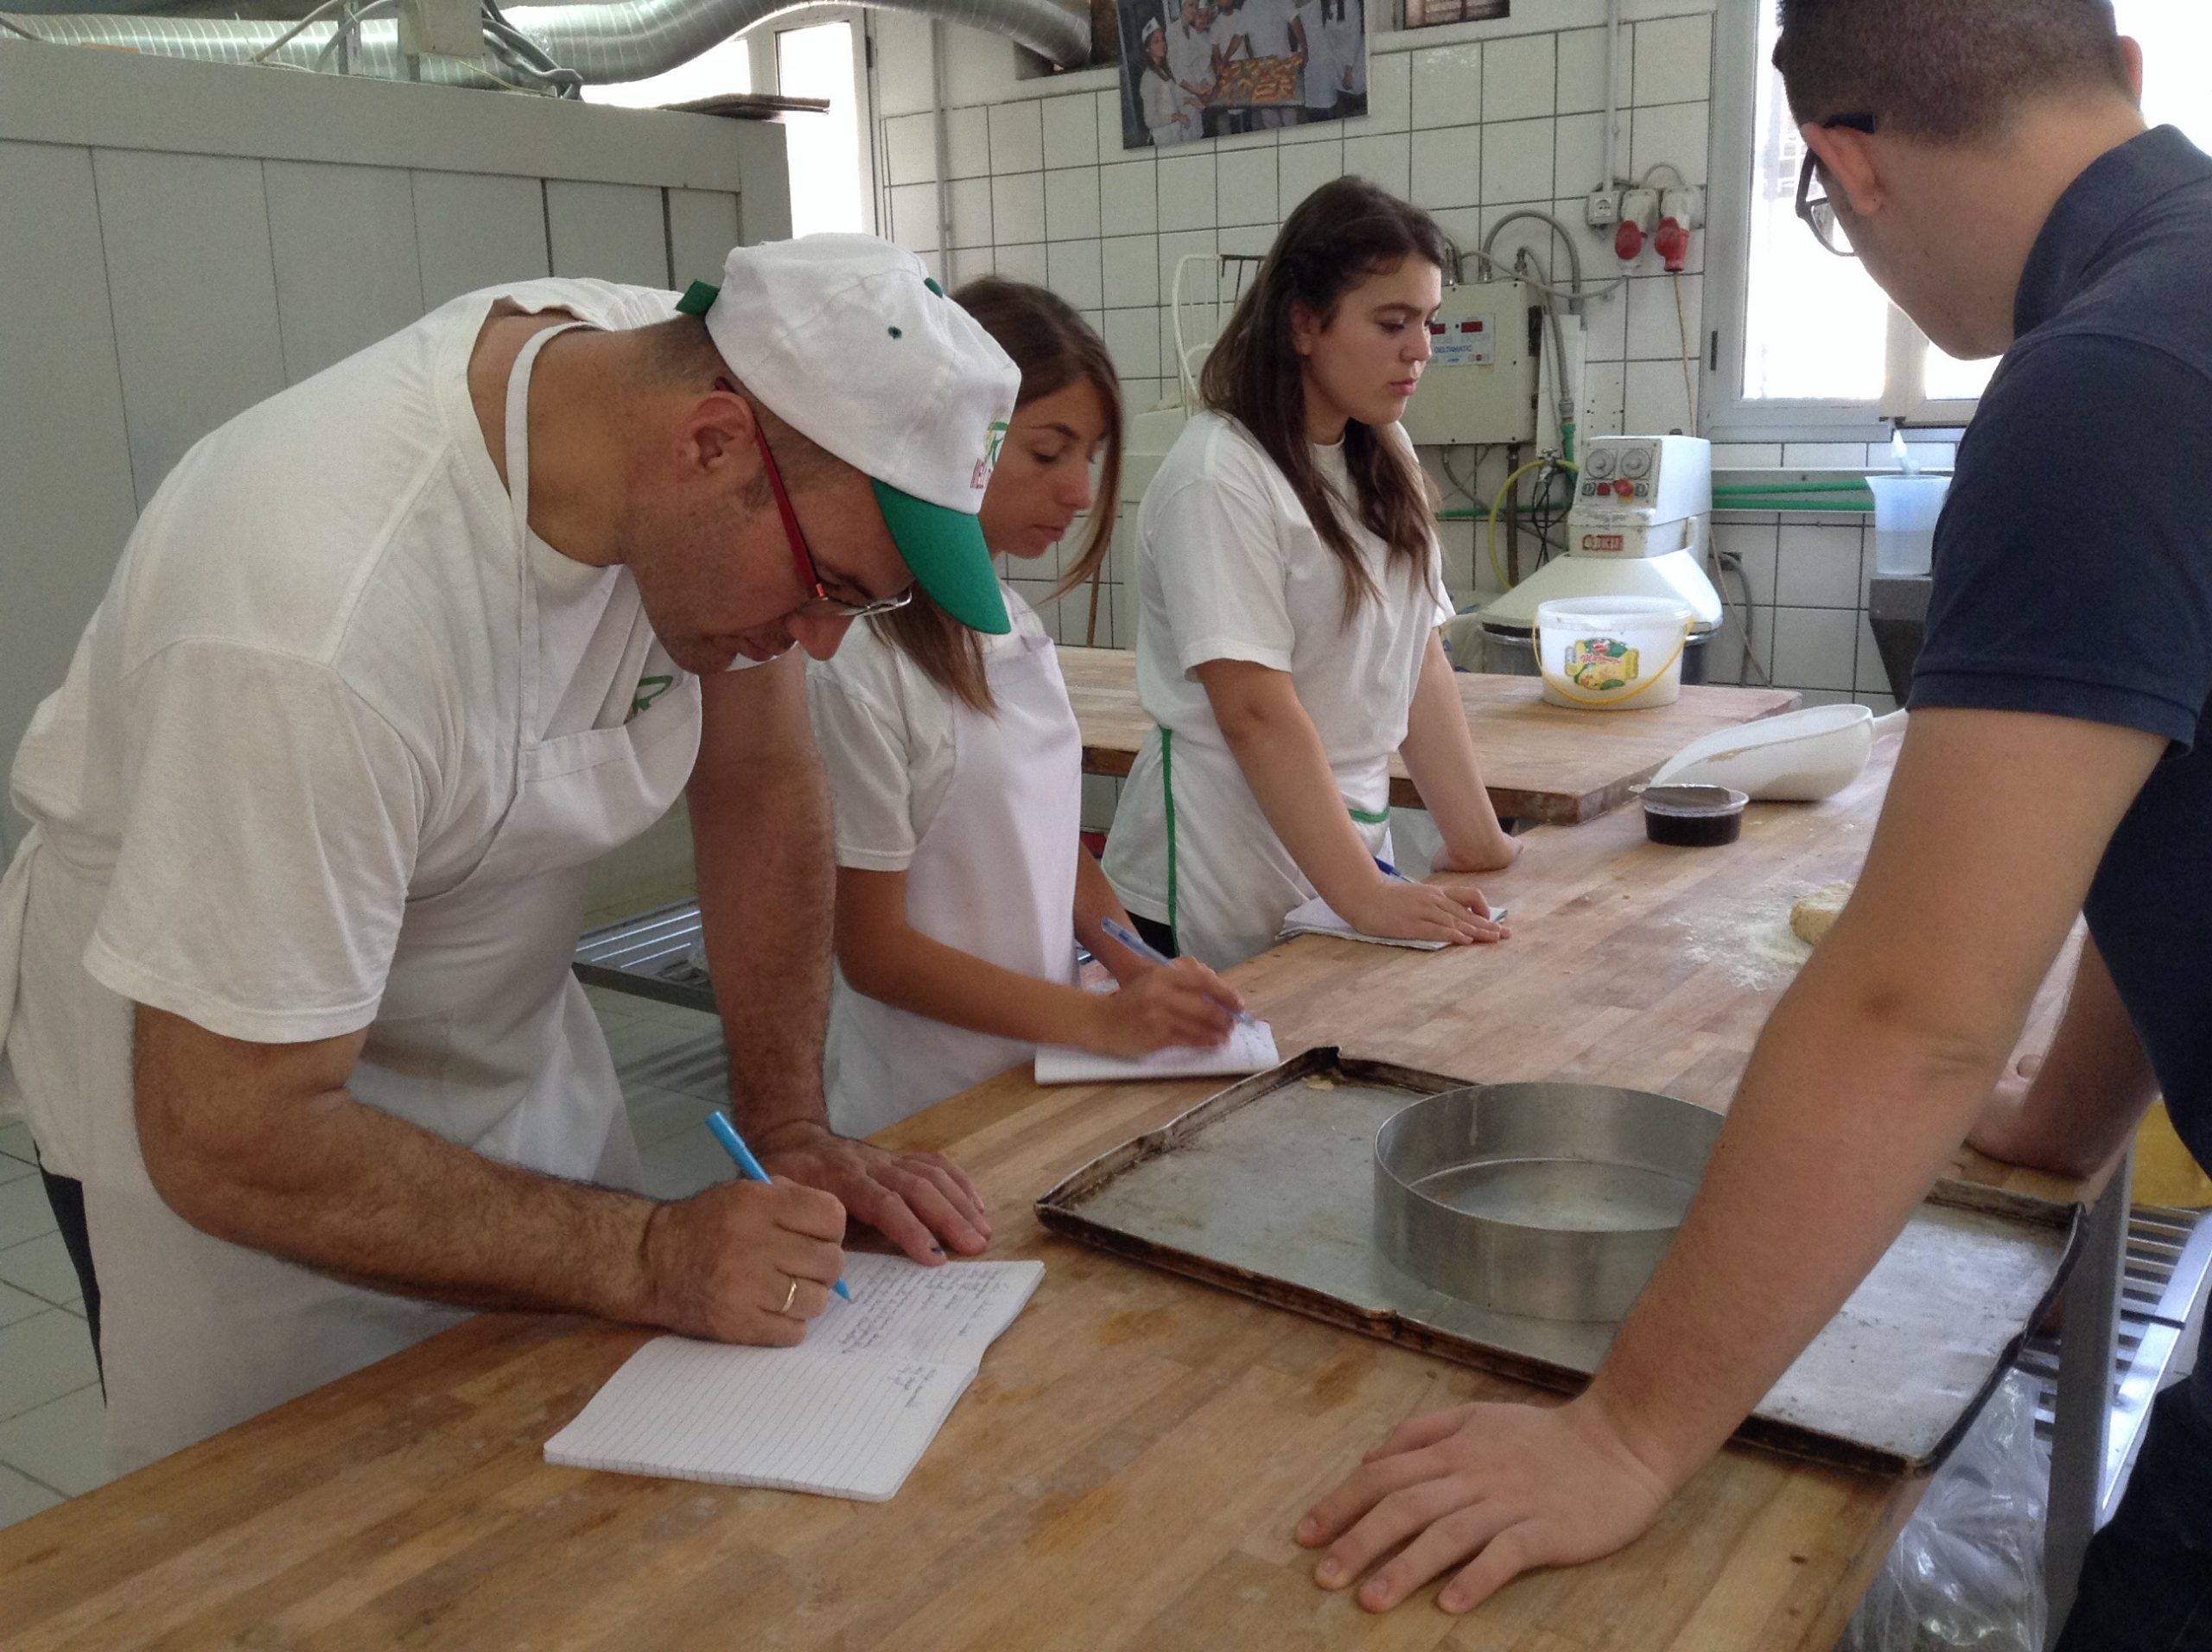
(1290, 587)
(955, 769)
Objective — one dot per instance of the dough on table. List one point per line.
(1815, 915)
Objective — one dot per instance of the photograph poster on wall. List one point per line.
(1209, 68)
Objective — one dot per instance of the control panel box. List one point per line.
(1640, 496)
(1480, 384)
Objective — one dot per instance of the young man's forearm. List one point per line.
(2090, 1092)
(1840, 1126)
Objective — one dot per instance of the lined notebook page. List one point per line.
(1251, 1048)
(1317, 916)
(846, 1414)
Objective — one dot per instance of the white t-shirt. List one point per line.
(1227, 31)
(886, 736)
(1327, 45)
(299, 708)
(1189, 54)
(1268, 24)
(1164, 105)
(1229, 567)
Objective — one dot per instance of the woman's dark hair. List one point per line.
(1053, 346)
(1338, 237)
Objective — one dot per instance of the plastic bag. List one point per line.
(1966, 1572)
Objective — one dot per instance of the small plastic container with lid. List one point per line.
(1693, 817)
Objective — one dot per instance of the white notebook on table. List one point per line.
(1317, 916)
(848, 1413)
(1251, 1048)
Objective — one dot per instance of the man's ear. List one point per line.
(1848, 158)
(716, 439)
(2130, 61)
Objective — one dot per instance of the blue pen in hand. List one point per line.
(734, 1144)
(1152, 954)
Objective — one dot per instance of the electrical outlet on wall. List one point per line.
(1601, 209)
(1685, 205)
(1641, 208)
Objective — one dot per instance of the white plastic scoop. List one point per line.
(1799, 757)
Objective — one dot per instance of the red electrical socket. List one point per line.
(1628, 241)
(1672, 243)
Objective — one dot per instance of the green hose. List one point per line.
(1860, 507)
(1791, 487)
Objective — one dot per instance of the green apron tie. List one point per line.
(1167, 792)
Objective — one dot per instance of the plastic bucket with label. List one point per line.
(1612, 652)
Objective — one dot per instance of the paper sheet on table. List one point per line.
(848, 1413)
(1317, 916)
(1251, 1048)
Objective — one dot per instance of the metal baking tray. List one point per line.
(1266, 1189)
(1552, 1200)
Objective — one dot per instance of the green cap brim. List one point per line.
(945, 550)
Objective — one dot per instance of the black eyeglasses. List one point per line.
(1818, 211)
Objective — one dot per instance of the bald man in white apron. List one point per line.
(391, 658)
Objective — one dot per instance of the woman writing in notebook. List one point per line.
(955, 767)
(1290, 587)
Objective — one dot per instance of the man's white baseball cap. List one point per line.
(846, 338)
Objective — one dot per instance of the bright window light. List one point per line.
(1816, 325)
(719, 72)
(824, 149)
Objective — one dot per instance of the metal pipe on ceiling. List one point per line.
(611, 40)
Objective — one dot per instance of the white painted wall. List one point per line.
(1471, 120)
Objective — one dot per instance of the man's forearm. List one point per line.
(767, 888)
(1839, 1129)
(355, 1191)
(2090, 1092)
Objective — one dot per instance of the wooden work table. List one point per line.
(1125, 1471)
(1540, 761)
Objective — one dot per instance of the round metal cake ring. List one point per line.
(1551, 1200)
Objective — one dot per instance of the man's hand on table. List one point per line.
(1492, 1490)
(921, 1202)
(745, 1262)
(1996, 1128)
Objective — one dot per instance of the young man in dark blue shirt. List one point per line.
(1987, 160)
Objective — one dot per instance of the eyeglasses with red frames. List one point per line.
(1818, 211)
(821, 604)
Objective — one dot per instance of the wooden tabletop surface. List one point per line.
(1540, 761)
(1126, 1470)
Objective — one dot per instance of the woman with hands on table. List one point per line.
(956, 769)
(1290, 588)
(1988, 162)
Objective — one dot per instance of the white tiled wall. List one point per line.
(1472, 121)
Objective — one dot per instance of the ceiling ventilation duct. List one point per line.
(618, 40)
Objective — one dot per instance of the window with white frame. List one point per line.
(814, 53)
(1802, 345)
